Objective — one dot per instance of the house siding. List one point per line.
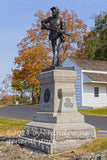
(88, 98)
(78, 83)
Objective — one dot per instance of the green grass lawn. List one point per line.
(9, 127)
(96, 145)
(99, 112)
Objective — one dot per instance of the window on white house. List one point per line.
(96, 91)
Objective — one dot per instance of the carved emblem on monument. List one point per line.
(46, 95)
(68, 103)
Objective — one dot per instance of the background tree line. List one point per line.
(96, 41)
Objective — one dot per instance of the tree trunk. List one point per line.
(33, 98)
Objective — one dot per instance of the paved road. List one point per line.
(26, 112)
(97, 121)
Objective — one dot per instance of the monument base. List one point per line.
(57, 126)
(54, 138)
(50, 117)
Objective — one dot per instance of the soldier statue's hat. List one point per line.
(55, 8)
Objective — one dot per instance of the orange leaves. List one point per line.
(30, 62)
(77, 29)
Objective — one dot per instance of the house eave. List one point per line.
(94, 71)
(101, 82)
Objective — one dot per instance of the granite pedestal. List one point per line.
(58, 126)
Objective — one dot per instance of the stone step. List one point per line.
(102, 133)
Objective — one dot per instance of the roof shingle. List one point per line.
(97, 77)
(88, 64)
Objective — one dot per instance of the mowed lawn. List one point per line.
(98, 112)
(11, 127)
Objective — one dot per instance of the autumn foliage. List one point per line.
(35, 48)
(30, 63)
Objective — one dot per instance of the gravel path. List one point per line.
(16, 152)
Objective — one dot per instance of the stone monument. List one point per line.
(58, 126)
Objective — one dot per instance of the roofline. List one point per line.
(94, 71)
(96, 82)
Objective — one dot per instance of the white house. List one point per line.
(91, 83)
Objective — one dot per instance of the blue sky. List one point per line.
(16, 17)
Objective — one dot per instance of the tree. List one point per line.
(6, 92)
(35, 49)
(30, 63)
(7, 81)
(21, 87)
(96, 41)
(6, 84)
(75, 26)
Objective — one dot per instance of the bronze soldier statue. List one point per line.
(57, 29)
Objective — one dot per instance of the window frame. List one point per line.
(96, 91)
